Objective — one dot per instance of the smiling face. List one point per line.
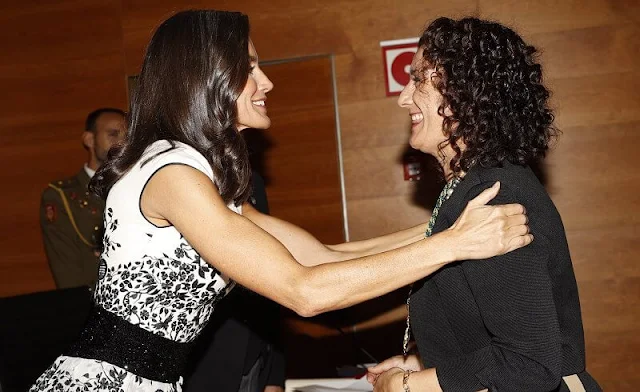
(252, 103)
(422, 100)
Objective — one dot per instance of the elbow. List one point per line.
(309, 301)
(553, 378)
(307, 311)
(544, 377)
(548, 382)
(528, 374)
(548, 373)
(533, 379)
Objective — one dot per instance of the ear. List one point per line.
(88, 140)
(447, 111)
(433, 75)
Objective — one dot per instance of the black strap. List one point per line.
(107, 337)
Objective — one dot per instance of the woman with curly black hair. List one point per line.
(477, 104)
(179, 231)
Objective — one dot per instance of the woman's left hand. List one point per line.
(389, 381)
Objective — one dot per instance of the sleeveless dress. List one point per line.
(149, 276)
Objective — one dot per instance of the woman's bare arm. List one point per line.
(187, 198)
(309, 251)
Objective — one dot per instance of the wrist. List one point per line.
(446, 245)
(405, 380)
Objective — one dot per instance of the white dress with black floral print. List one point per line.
(149, 276)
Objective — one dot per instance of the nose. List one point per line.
(406, 96)
(265, 84)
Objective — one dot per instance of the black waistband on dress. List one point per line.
(108, 337)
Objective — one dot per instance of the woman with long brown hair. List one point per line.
(178, 232)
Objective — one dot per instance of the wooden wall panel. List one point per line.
(600, 50)
(60, 61)
(301, 162)
(384, 124)
(59, 66)
(532, 16)
(599, 172)
(391, 213)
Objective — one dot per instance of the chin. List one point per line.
(414, 145)
(262, 125)
(420, 148)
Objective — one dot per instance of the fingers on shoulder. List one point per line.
(518, 230)
(483, 193)
(503, 193)
(520, 241)
(512, 209)
(516, 220)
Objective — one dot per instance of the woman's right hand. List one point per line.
(484, 231)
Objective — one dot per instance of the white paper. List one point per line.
(329, 385)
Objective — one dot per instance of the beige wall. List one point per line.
(63, 58)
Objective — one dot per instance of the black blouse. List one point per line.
(512, 322)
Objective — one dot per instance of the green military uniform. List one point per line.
(71, 221)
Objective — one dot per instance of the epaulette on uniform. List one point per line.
(64, 188)
(65, 183)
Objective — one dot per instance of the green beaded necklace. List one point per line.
(446, 193)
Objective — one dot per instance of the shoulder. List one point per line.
(514, 179)
(68, 185)
(477, 180)
(55, 195)
(163, 153)
(508, 173)
(65, 183)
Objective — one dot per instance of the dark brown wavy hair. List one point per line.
(491, 82)
(194, 70)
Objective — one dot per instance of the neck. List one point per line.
(448, 173)
(445, 164)
(445, 161)
(93, 163)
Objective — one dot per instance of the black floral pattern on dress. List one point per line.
(110, 225)
(171, 294)
(100, 376)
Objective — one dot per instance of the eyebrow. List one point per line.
(253, 59)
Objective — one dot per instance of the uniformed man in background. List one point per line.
(70, 215)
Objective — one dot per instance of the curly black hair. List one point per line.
(492, 85)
